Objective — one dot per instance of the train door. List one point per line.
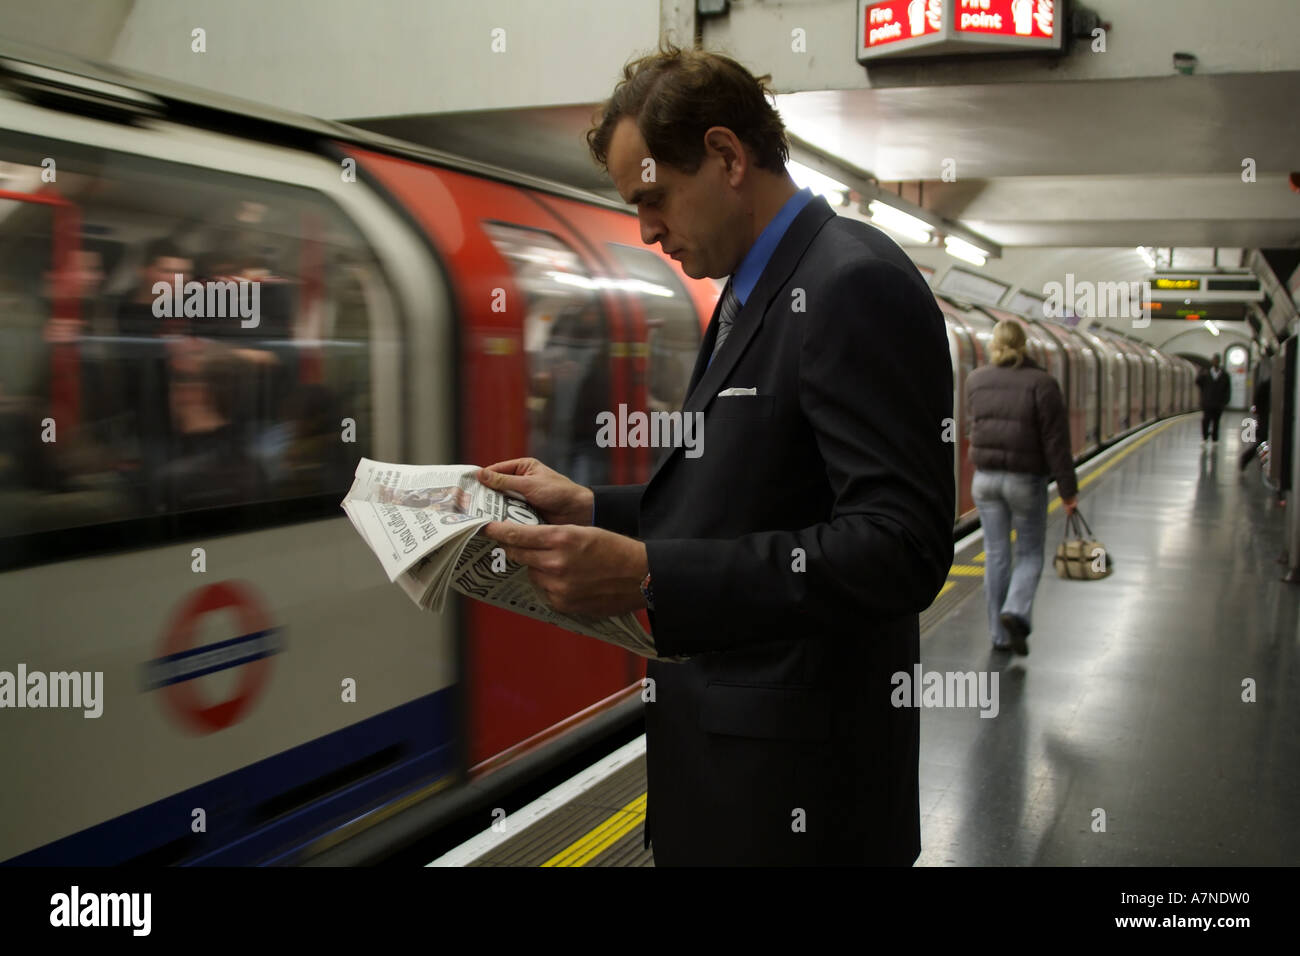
(1150, 383)
(963, 363)
(980, 327)
(1137, 383)
(667, 311)
(1071, 384)
(543, 334)
(1089, 393)
(968, 354)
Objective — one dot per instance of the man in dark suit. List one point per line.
(789, 561)
(1215, 389)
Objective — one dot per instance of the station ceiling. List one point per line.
(1116, 163)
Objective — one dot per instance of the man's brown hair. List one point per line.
(675, 95)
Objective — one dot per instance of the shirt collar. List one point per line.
(751, 267)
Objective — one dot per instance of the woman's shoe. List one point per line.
(1019, 632)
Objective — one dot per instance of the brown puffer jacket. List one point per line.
(1018, 423)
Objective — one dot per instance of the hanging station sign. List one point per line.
(923, 28)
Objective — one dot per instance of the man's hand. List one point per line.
(557, 499)
(1070, 504)
(578, 570)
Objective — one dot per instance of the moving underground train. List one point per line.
(212, 669)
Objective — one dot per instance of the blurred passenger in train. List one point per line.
(1213, 383)
(56, 469)
(163, 263)
(1020, 435)
(574, 368)
(141, 354)
(66, 483)
(1259, 408)
(209, 464)
(303, 453)
(265, 340)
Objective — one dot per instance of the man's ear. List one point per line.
(725, 143)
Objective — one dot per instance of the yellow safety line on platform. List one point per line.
(1084, 483)
(974, 571)
(590, 846)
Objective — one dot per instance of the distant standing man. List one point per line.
(1213, 383)
(791, 560)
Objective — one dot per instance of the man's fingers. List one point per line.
(515, 466)
(512, 485)
(523, 536)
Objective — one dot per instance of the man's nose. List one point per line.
(652, 229)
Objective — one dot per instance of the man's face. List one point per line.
(696, 217)
(165, 269)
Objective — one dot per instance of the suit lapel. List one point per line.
(785, 257)
(706, 377)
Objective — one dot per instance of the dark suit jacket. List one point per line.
(1214, 394)
(791, 560)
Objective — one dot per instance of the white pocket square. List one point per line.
(737, 391)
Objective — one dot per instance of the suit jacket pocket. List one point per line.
(741, 407)
(774, 713)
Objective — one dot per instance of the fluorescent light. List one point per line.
(836, 193)
(608, 282)
(961, 249)
(1211, 327)
(1147, 256)
(895, 220)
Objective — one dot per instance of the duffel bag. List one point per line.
(1080, 556)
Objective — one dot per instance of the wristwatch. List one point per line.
(648, 592)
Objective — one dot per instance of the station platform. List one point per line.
(1130, 734)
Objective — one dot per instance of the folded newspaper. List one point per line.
(422, 523)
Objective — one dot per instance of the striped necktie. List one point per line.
(726, 317)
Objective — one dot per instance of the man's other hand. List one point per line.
(557, 499)
(578, 570)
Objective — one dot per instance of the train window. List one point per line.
(566, 341)
(173, 339)
(672, 327)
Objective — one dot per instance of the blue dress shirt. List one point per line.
(751, 267)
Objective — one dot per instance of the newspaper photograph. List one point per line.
(422, 523)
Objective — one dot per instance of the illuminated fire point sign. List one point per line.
(896, 22)
(923, 28)
(1007, 18)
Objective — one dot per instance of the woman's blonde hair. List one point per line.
(1008, 343)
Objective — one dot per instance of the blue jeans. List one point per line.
(1006, 500)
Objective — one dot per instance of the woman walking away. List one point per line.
(1019, 438)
